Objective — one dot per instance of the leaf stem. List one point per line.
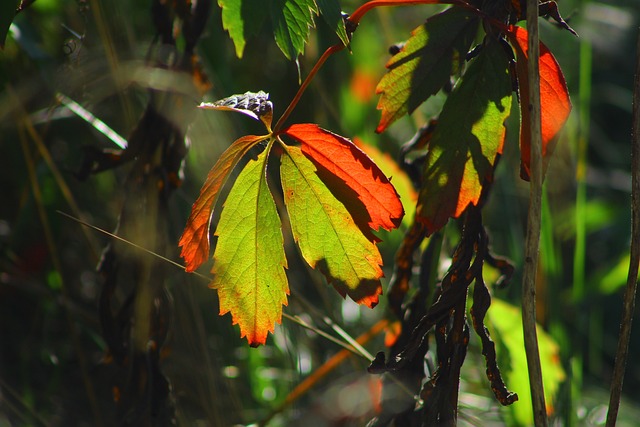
(532, 241)
(327, 53)
(632, 278)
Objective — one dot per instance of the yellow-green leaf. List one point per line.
(327, 236)
(249, 260)
(505, 323)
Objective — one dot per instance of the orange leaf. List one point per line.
(555, 104)
(195, 238)
(354, 169)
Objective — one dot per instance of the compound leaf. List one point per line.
(555, 104)
(249, 260)
(468, 137)
(326, 234)
(195, 237)
(435, 51)
(242, 19)
(291, 20)
(351, 175)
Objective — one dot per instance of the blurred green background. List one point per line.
(92, 52)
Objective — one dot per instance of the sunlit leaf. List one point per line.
(242, 19)
(469, 136)
(501, 320)
(291, 20)
(352, 176)
(555, 104)
(327, 236)
(331, 13)
(249, 259)
(253, 104)
(399, 177)
(195, 237)
(425, 64)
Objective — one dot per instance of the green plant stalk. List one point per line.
(628, 303)
(532, 240)
(584, 99)
(579, 255)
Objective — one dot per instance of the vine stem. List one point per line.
(532, 241)
(357, 15)
(327, 53)
(628, 303)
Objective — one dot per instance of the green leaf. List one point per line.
(195, 237)
(332, 14)
(249, 260)
(7, 13)
(242, 19)
(502, 320)
(435, 51)
(327, 236)
(291, 20)
(467, 139)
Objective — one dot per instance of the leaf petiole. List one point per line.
(327, 53)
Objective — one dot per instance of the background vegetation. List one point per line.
(53, 364)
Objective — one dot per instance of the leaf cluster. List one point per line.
(334, 195)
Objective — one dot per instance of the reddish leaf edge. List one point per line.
(369, 290)
(195, 237)
(345, 168)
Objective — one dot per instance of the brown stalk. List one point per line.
(632, 278)
(532, 241)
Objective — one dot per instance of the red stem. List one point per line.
(362, 10)
(327, 53)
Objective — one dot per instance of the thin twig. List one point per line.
(632, 279)
(532, 241)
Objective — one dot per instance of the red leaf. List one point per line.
(195, 238)
(342, 159)
(554, 99)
